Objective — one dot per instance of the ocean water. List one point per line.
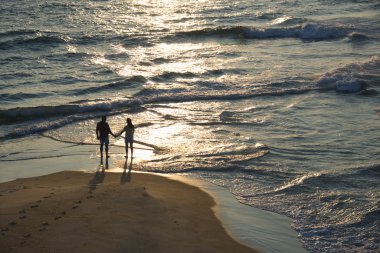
(277, 101)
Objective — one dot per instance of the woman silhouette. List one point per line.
(129, 130)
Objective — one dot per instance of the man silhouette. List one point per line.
(102, 134)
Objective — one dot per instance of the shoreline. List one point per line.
(238, 220)
(256, 228)
(109, 212)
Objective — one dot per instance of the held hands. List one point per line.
(117, 135)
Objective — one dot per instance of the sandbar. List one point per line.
(72, 211)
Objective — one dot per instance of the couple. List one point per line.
(102, 134)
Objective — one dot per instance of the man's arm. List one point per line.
(97, 131)
(109, 130)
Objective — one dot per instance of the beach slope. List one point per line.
(109, 212)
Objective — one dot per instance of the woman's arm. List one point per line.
(122, 131)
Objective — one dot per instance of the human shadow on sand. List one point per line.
(98, 177)
(126, 175)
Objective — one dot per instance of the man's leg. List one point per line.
(101, 149)
(106, 142)
(101, 152)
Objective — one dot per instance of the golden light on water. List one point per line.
(150, 62)
(166, 136)
(171, 133)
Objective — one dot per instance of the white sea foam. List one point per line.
(307, 31)
(341, 82)
(298, 181)
(349, 78)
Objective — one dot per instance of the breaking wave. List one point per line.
(354, 77)
(39, 40)
(306, 31)
(129, 82)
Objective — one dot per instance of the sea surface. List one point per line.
(277, 101)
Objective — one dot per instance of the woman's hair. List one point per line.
(129, 122)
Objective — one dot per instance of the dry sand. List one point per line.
(109, 212)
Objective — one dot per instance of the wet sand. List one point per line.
(109, 212)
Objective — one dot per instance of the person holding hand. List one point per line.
(129, 130)
(102, 134)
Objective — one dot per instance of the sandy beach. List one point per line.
(109, 212)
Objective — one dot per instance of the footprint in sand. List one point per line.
(51, 194)
(12, 223)
(90, 195)
(44, 224)
(57, 217)
(34, 206)
(78, 203)
(22, 217)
